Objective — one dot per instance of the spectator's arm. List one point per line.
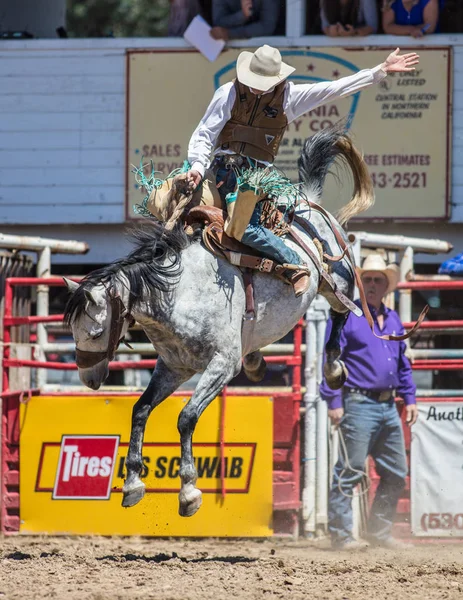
(370, 12)
(431, 16)
(269, 14)
(363, 31)
(330, 30)
(406, 388)
(323, 18)
(222, 17)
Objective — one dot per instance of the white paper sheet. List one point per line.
(198, 35)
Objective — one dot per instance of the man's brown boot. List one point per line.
(300, 280)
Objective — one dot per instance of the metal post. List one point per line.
(399, 242)
(295, 18)
(43, 270)
(310, 425)
(322, 462)
(405, 296)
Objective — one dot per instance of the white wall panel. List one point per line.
(103, 158)
(39, 122)
(457, 137)
(102, 139)
(56, 195)
(106, 121)
(51, 103)
(41, 140)
(63, 175)
(65, 84)
(58, 64)
(38, 158)
(62, 213)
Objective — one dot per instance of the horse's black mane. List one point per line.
(152, 268)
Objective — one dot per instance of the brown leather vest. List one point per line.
(257, 124)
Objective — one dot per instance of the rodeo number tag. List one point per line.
(85, 467)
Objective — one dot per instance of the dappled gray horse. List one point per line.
(191, 303)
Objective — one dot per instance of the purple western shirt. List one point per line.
(373, 364)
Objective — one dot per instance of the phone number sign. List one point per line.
(436, 470)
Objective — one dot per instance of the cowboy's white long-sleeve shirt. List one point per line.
(298, 100)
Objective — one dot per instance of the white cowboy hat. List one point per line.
(375, 262)
(262, 69)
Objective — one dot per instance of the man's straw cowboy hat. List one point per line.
(262, 69)
(375, 262)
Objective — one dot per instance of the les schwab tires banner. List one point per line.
(437, 470)
(72, 468)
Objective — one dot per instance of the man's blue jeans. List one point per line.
(369, 428)
(256, 236)
(266, 242)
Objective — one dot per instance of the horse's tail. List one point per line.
(317, 155)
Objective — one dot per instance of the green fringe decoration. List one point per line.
(151, 182)
(271, 183)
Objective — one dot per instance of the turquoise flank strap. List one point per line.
(231, 197)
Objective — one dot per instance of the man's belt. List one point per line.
(386, 396)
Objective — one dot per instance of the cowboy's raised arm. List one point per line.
(205, 135)
(304, 97)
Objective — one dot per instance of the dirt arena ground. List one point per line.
(134, 568)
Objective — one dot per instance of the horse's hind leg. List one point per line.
(334, 369)
(254, 366)
(163, 382)
(217, 374)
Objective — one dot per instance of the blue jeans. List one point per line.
(256, 236)
(369, 428)
(266, 242)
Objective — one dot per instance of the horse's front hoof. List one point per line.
(258, 375)
(133, 495)
(190, 502)
(335, 374)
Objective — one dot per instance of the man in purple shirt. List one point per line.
(365, 411)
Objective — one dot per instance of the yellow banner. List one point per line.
(401, 125)
(72, 468)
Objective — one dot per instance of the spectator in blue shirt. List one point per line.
(232, 19)
(365, 411)
(348, 18)
(410, 17)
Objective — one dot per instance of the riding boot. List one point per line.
(296, 275)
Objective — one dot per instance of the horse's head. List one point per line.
(99, 321)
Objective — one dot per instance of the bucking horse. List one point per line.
(194, 307)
